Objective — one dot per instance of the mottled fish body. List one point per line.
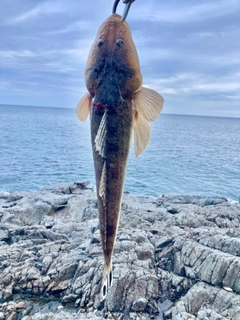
(118, 105)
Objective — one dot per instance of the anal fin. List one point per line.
(103, 182)
(102, 194)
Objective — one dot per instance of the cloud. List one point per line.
(184, 11)
(201, 83)
(10, 54)
(188, 51)
(59, 61)
(76, 26)
(42, 8)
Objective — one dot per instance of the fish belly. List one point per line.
(110, 167)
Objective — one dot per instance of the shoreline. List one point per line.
(4, 194)
(175, 256)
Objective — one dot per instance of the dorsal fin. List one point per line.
(149, 103)
(83, 107)
(100, 139)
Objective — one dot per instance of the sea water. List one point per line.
(186, 155)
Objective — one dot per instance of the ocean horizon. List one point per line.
(187, 154)
(74, 108)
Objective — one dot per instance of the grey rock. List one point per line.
(17, 195)
(4, 235)
(4, 195)
(139, 305)
(176, 257)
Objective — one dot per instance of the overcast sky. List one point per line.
(189, 51)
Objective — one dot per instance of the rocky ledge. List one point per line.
(176, 257)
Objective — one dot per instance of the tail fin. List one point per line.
(106, 280)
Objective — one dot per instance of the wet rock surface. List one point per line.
(176, 257)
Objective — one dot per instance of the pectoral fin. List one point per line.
(142, 133)
(83, 107)
(149, 103)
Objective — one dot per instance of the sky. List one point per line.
(189, 51)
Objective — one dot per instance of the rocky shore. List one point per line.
(176, 257)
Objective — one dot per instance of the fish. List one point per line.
(119, 107)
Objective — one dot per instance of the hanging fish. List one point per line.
(118, 106)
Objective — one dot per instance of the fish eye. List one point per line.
(119, 42)
(100, 42)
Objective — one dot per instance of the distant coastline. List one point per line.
(170, 114)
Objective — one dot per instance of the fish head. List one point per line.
(113, 62)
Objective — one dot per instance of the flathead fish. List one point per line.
(118, 106)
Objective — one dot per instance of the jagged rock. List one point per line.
(176, 257)
(17, 195)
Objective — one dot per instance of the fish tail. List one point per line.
(106, 280)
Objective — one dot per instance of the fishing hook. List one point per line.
(125, 13)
